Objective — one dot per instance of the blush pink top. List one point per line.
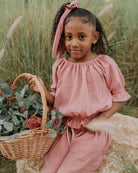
(87, 88)
(83, 89)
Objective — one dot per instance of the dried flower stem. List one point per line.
(13, 27)
(101, 13)
(87, 3)
(10, 33)
(39, 8)
(111, 36)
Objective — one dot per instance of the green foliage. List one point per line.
(25, 112)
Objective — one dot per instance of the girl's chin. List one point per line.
(77, 59)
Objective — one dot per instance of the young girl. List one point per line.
(87, 86)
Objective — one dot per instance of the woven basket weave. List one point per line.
(28, 145)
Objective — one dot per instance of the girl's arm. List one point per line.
(116, 106)
(49, 98)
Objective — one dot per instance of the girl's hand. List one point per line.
(32, 83)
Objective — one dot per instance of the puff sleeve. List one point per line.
(115, 81)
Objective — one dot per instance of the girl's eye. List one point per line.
(81, 37)
(68, 37)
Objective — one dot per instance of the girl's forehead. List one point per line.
(78, 23)
(82, 19)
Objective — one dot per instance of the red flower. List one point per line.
(48, 115)
(57, 121)
(6, 97)
(13, 86)
(47, 121)
(33, 122)
(50, 109)
(21, 110)
(0, 93)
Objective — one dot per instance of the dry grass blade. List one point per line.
(103, 126)
(111, 36)
(101, 13)
(39, 7)
(13, 27)
(2, 53)
(87, 3)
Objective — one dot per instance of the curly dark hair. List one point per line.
(101, 47)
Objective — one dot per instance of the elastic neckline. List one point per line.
(80, 63)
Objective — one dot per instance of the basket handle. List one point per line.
(42, 93)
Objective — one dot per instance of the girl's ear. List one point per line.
(95, 37)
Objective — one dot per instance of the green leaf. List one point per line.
(0, 110)
(53, 113)
(3, 117)
(62, 129)
(1, 81)
(24, 114)
(23, 91)
(27, 103)
(15, 121)
(1, 100)
(17, 89)
(50, 124)
(1, 122)
(57, 128)
(21, 103)
(7, 90)
(18, 96)
(14, 105)
(8, 126)
(4, 85)
(52, 133)
(58, 114)
(0, 128)
(33, 97)
(35, 105)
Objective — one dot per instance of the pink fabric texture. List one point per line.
(85, 154)
(87, 88)
(59, 30)
(81, 91)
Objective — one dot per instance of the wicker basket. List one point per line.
(28, 146)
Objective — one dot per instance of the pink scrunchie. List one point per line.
(59, 30)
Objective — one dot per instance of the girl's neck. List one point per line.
(89, 58)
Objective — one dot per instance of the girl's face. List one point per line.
(79, 37)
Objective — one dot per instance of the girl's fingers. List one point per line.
(29, 76)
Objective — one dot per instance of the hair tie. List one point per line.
(59, 30)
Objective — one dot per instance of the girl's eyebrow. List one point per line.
(77, 33)
(67, 33)
(82, 33)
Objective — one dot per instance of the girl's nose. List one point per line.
(74, 42)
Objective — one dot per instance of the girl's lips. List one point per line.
(75, 50)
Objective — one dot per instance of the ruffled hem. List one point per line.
(76, 122)
(120, 97)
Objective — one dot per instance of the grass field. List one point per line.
(29, 48)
